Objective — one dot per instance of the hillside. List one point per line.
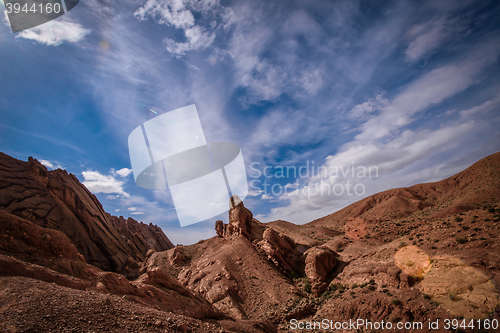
(57, 200)
(424, 253)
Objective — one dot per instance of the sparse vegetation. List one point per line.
(465, 227)
(336, 286)
(396, 302)
(372, 288)
(453, 297)
(458, 219)
(307, 285)
(427, 296)
(461, 240)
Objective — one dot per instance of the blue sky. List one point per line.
(410, 89)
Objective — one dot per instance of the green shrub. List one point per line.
(458, 219)
(427, 296)
(396, 301)
(307, 285)
(372, 288)
(336, 286)
(453, 297)
(465, 227)
(461, 240)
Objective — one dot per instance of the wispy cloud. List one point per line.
(428, 36)
(55, 32)
(432, 88)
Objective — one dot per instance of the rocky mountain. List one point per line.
(57, 200)
(427, 253)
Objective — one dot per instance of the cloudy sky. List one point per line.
(407, 90)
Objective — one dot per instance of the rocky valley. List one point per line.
(427, 253)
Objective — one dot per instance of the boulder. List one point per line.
(220, 228)
(320, 262)
(280, 250)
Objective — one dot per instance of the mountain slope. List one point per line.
(477, 185)
(57, 200)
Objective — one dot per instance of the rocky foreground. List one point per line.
(425, 253)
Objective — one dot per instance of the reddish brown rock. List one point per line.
(242, 223)
(320, 261)
(57, 200)
(220, 228)
(280, 250)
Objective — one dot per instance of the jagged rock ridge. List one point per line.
(57, 200)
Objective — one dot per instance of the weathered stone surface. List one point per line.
(280, 250)
(57, 200)
(242, 223)
(320, 261)
(220, 228)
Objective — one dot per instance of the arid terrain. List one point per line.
(427, 253)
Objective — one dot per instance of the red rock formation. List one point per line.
(320, 261)
(280, 250)
(57, 200)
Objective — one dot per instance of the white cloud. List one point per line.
(196, 40)
(485, 107)
(402, 156)
(99, 183)
(393, 161)
(428, 36)
(312, 81)
(368, 107)
(55, 32)
(432, 88)
(51, 164)
(179, 14)
(123, 172)
(266, 197)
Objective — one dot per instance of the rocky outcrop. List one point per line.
(220, 228)
(320, 262)
(57, 200)
(280, 250)
(43, 254)
(239, 220)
